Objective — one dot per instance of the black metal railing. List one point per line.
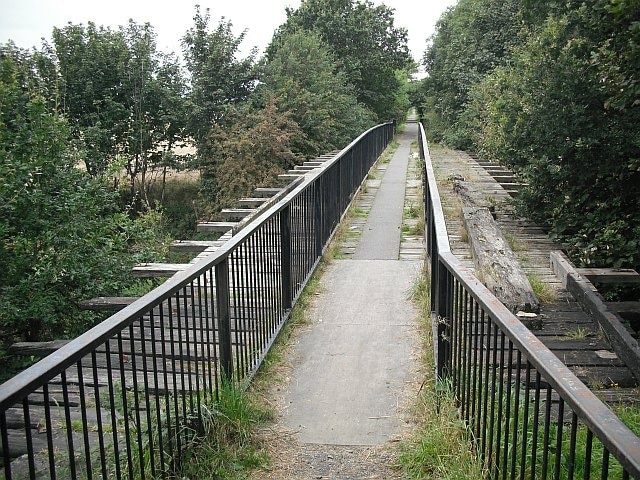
(124, 399)
(528, 415)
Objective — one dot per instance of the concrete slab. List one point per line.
(381, 237)
(352, 365)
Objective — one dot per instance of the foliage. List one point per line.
(440, 446)
(226, 447)
(251, 152)
(304, 79)
(123, 99)
(583, 156)
(365, 40)
(59, 228)
(470, 41)
(558, 101)
(218, 79)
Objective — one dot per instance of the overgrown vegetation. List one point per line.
(549, 89)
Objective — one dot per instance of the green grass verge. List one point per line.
(440, 445)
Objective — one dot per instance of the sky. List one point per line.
(27, 21)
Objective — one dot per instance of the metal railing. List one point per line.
(123, 399)
(528, 415)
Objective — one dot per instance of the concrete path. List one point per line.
(381, 238)
(352, 367)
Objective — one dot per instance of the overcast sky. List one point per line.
(27, 21)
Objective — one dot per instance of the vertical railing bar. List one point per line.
(487, 359)
(224, 327)
(500, 398)
(68, 429)
(136, 398)
(212, 342)
(464, 334)
(6, 457)
(156, 395)
(494, 373)
(197, 342)
(240, 331)
(49, 427)
(536, 422)
(27, 436)
(558, 452)
(176, 410)
(248, 329)
(468, 336)
(249, 318)
(96, 394)
(125, 404)
(505, 460)
(183, 386)
(167, 400)
(187, 293)
(259, 320)
(516, 409)
(547, 432)
(572, 445)
(587, 455)
(112, 409)
(207, 384)
(477, 370)
(83, 415)
(525, 422)
(275, 317)
(454, 336)
(604, 475)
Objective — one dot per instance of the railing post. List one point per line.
(224, 318)
(285, 256)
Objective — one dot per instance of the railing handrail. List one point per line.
(442, 236)
(23, 383)
(612, 432)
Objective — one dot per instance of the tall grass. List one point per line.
(440, 446)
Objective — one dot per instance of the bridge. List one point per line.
(121, 400)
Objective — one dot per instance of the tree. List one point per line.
(124, 98)
(564, 112)
(92, 63)
(304, 79)
(218, 78)
(61, 236)
(471, 39)
(364, 39)
(251, 151)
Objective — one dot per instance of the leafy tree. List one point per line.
(92, 63)
(218, 78)
(471, 39)
(124, 99)
(304, 79)
(61, 236)
(251, 151)
(565, 113)
(364, 39)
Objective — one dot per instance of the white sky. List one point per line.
(27, 21)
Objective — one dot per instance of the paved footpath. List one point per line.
(354, 367)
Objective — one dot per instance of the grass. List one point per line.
(513, 241)
(578, 334)
(227, 448)
(440, 445)
(544, 291)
